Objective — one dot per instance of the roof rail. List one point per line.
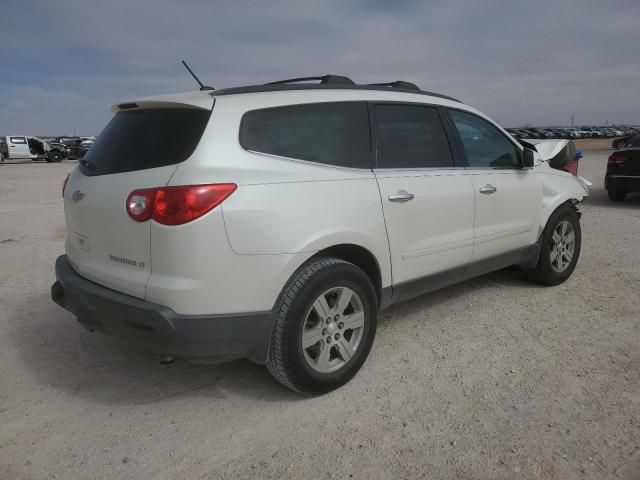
(328, 82)
(324, 80)
(397, 84)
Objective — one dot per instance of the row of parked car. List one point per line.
(51, 149)
(574, 132)
(75, 147)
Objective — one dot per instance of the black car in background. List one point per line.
(623, 170)
(621, 141)
(76, 150)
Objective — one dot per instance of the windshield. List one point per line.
(634, 141)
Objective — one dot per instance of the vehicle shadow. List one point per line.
(509, 277)
(61, 354)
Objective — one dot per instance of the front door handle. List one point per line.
(488, 189)
(401, 196)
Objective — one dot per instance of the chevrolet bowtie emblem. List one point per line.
(77, 196)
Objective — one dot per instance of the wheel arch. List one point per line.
(559, 202)
(360, 257)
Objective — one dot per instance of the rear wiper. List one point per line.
(89, 165)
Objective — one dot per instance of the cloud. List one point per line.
(66, 63)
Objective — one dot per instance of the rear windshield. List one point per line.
(141, 139)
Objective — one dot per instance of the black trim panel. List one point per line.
(526, 257)
(157, 328)
(457, 148)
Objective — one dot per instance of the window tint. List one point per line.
(17, 140)
(332, 133)
(484, 144)
(411, 136)
(141, 139)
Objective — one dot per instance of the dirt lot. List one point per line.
(589, 144)
(491, 379)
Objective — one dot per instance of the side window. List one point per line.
(331, 133)
(17, 140)
(484, 144)
(411, 136)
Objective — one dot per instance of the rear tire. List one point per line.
(616, 195)
(324, 326)
(559, 249)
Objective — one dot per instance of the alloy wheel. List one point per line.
(333, 329)
(563, 245)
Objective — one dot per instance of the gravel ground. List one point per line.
(494, 378)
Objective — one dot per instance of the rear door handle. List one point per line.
(488, 189)
(401, 196)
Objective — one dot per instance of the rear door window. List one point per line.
(331, 133)
(411, 136)
(142, 139)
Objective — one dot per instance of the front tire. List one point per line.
(616, 195)
(324, 326)
(55, 156)
(560, 248)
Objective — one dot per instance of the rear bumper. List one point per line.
(157, 328)
(625, 183)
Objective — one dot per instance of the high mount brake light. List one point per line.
(176, 205)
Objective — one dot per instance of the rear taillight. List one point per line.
(616, 159)
(176, 205)
(64, 184)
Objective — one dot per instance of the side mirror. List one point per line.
(527, 158)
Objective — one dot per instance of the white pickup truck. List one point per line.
(18, 147)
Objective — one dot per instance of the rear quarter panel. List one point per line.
(195, 272)
(284, 210)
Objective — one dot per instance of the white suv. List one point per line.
(273, 222)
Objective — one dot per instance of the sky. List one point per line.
(64, 63)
